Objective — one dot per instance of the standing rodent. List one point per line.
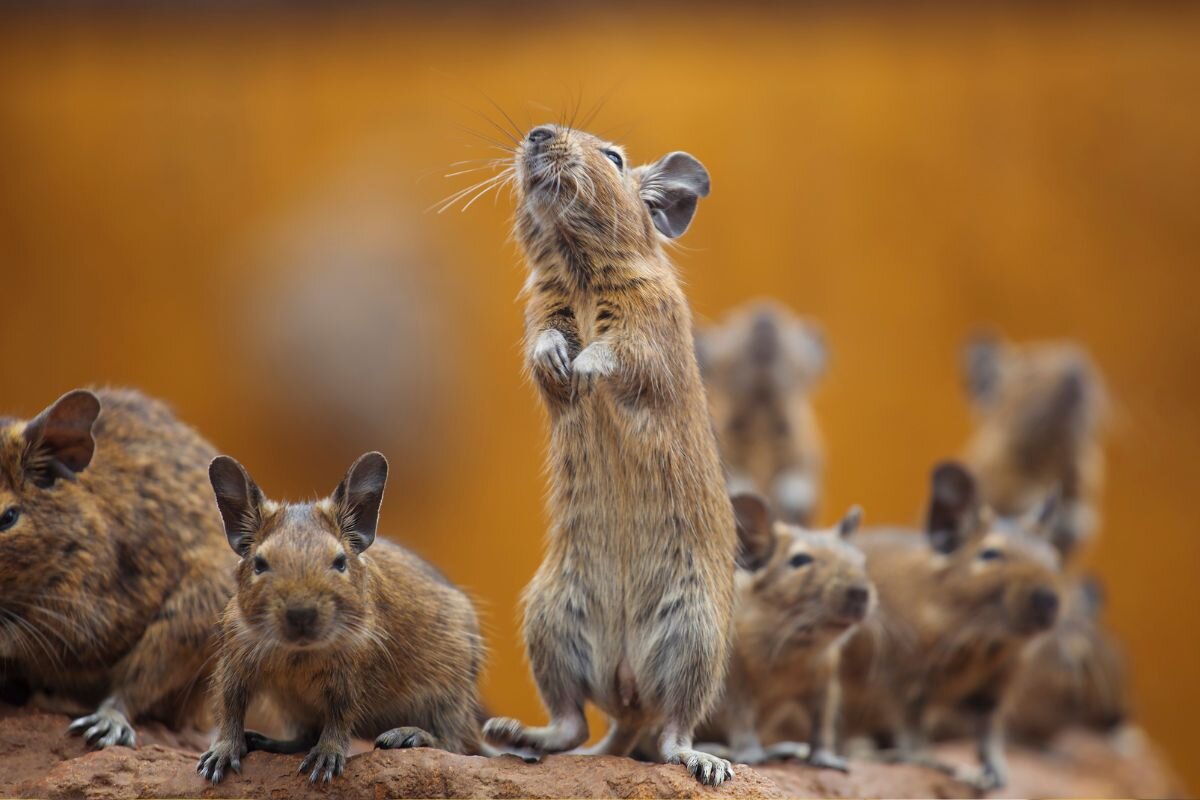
(759, 367)
(957, 610)
(801, 594)
(108, 543)
(344, 643)
(1040, 410)
(632, 606)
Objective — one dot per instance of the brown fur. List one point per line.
(1040, 410)
(801, 597)
(343, 641)
(760, 365)
(110, 579)
(631, 608)
(952, 623)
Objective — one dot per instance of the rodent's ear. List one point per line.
(850, 522)
(755, 535)
(954, 510)
(58, 441)
(670, 188)
(358, 498)
(981, 367)
(240, 502)
(810, 340)
(1093, 594)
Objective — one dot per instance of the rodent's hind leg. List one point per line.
(265, 744)
(105, 728)
(622, 737)
(404, 738)
(675, 747)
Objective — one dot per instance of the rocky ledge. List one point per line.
(39, 759)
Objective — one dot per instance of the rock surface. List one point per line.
(39, 759)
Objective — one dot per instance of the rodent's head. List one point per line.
(806, 586)
(994, 577)
(45, 520)
(581, 185)
(302, 581)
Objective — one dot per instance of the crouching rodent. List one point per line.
(343, 641)
(1040, 409)
(108, 543)
(631, 608)
(801, 594)
(760, 365)
(957, 610)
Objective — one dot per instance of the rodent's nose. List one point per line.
(541, 134)
(857, 600)
(1043, 606)
(300, 620)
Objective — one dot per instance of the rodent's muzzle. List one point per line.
(300, 623)
(856, 602)
(541, 134)
(1043, 608)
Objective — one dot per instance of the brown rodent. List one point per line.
(631, 607)
(1076, 676)
(957, 610)
(801, 594)
(111, 561)
(759, 366)
(1040, 410)
(342, 641)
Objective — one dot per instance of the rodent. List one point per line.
(801, 595)
(1040, 411)
(958, 608)
(760, 364)
(344, 634)
(631, 607)
(110, 557)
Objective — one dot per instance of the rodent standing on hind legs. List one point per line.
(345, 642)
(632, 605)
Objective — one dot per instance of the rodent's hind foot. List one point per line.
(706, 768)
(557, 737)
(325, 762)
(788, 751)
(827, 759)
(106, 728)
(405, 738)
(220, 757)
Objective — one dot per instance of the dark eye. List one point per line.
(260, 565)
(615, 157)
(800, 560)
(339, 563)
(990, 554)
(9, 517)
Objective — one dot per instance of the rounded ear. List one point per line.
(981, 367)
(850, 522)
(358, 498)
(953, 507)
(670, 188)
(239, 500)
(58, 441)
(755, 536)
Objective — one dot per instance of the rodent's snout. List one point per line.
(299, 622)
(541, 134)
(856, 601)
(1043, 607)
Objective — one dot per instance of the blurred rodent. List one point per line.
(760, 364)
(632, 606)
(801, 594)
(1040, 410)
(344, 641)
(957, 610)
(112, 561)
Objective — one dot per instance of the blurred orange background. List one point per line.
(230, 211)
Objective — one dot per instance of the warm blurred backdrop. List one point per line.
(229, 210)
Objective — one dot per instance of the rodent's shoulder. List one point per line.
(128, 417)
(397, 562)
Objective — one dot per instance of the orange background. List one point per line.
(229, 211)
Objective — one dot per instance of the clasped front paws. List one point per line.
(551, 355)
(596, 361)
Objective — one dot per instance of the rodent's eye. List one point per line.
(339, 563)
(990, 554)
(800, 560)
(260, 565)
(9, 517)
(615, 157)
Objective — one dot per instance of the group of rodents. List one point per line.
(662, 600)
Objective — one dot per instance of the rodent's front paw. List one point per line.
(595, 362)
(551, 354)
(708, 769)
(105, 728)
(402, 738)
(827, 759)
(325, 762)
(221, 757)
